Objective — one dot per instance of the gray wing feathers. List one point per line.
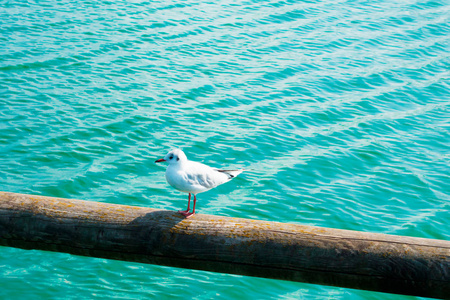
(201, 179)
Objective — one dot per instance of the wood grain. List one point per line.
(359, 260)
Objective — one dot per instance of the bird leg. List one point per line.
(184, 212)
(188, 214)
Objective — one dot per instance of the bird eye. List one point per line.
(170, 157)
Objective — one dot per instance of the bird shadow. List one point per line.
(157, 232)
(159, 218)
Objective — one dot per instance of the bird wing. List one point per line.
(204, 176)
(194, 177)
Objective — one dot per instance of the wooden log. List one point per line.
(369, 261)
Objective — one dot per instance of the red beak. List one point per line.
(160, 160)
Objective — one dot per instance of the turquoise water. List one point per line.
(339, 108)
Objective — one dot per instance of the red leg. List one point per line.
(193, 210)
(184, 212)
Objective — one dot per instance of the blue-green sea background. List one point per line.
(339, 108)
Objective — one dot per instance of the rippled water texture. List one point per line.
(339, 108)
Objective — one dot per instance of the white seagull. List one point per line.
(193, 177)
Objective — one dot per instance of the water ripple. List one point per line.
(340, 110)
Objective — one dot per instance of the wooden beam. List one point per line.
(359, 260)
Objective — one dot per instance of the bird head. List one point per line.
(173, 157)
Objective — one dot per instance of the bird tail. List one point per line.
(231, 173)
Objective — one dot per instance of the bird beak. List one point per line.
(160, 160)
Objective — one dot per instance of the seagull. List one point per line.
(193, 177)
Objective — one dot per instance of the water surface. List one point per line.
(339, 108)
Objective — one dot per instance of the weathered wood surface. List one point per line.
(369, 261)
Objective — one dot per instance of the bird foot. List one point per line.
(186, 213)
